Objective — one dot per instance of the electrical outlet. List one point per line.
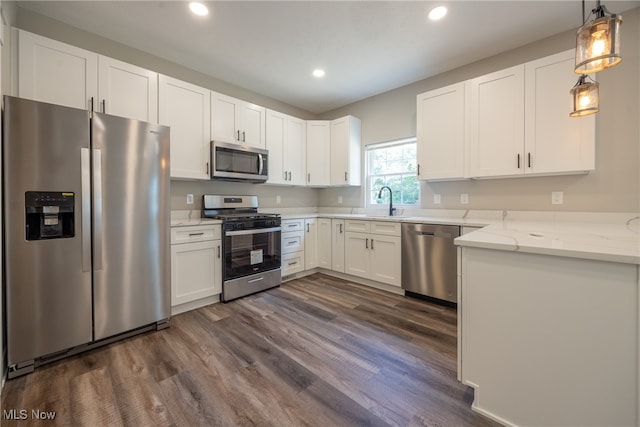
(464, 198)
(189, 199)
(278, 200)
(339, 200)
(437, 199)
(557, 197)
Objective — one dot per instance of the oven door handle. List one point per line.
(254, 231)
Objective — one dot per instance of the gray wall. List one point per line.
(613, 186)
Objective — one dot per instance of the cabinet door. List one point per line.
(295, 161)
(224, 127)
(440, 133)
(54, 72)
(496, 123)
(276, 133)
(555, 142)
(345, 151)
(193, 274)
(385, 259)
(324, 242)
(186, 109)
(311, 243)
(318, 152)
(252, 124)
(337, 245)
(356, 257)
(126, 90)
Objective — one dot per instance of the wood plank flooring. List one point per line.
(317, 351)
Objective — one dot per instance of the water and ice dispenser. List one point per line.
(49, 215)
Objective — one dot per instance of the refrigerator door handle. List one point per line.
(97, 208)
(85, 171)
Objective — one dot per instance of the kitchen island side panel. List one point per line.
(550, 340)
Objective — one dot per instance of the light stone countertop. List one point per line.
(613, 237)
(185, 218)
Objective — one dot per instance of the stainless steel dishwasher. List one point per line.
(429, 260)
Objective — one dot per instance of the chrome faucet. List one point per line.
(391, 208)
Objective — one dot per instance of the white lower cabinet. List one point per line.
(196, 266)
(292, 246)
(337, 245)
(310, 243)
(324, 241)
(371, 255)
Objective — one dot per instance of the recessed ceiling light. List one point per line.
(318, 73)
(198, 8)
(437, 13)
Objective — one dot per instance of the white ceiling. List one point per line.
(366, 47)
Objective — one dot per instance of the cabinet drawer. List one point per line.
(385, 227)
(292, 225)
(292, 242)
(292, 263)
(195, 233)
(357, 226)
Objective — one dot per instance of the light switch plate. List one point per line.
(437, 199)
(278, 200)
(464, 198)
(189, 199)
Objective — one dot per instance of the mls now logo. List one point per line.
(23, 414)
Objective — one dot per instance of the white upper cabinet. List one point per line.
(318, 152)
(286, 142)
(186, 109)
(236, 121)
(58, 73)
(126, 90)
(555, 142)
(345, 152)
(55, 72)
(440, 133)
(496, 123)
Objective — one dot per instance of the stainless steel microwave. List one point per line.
(233, 162)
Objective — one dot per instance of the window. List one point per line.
(392, 164)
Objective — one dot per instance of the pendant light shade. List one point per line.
(585, 98)
(598, 43)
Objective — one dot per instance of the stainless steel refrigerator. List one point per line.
(86, 226)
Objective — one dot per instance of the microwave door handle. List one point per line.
(260, 164)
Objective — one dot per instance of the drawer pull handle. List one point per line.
(293, 242)
(196, 234)
(293, 263)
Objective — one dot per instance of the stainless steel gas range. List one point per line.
(250, 244)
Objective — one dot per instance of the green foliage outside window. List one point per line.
(393, 166)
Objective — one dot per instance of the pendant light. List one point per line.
(585, 98)
(598, 41)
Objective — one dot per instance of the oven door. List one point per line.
(239, 163)
(249, 252)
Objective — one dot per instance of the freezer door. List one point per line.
(47, 266)
(131, 246)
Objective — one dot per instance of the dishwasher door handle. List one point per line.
(432, 234)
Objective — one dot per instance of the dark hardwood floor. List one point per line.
(317, 351)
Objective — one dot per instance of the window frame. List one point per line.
(367, 175)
